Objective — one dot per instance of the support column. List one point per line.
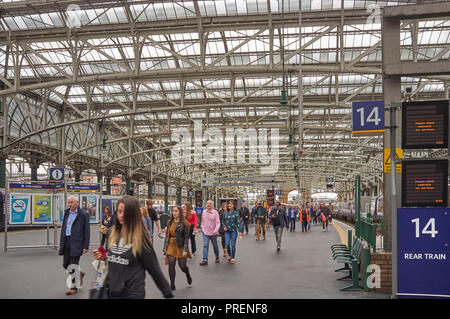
(179, 201)
(34, 171)
(108, 186)
(3, 171)
(392, 93)
(204, 196)
(150, 189)
(166, 198)
(77, 173)
(128, 186)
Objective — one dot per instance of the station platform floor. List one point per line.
(303, 269)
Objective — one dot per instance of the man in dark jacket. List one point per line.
(154, 217)
(279, 220)
(245, 217)
(75, 234)
(261, 217)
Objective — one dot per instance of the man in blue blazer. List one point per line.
(75, 233)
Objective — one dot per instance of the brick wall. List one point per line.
(384, 260)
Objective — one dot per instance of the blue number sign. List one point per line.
(368, 118)
(424, 252)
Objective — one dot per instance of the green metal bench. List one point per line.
(341, 247)
(352, 261)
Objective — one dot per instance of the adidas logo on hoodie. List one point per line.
(118, 260)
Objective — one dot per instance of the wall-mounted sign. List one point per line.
(425, 124)
(20, 209)
(424, 252)
(42, 209)
(387, 159)
(368, 118)
(80, 187)
(424, 183)
(56, 174)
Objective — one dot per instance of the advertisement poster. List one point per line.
(20, 212)
(106, 203)
(89, 204)
(42, 209)
(58, 208)
(111, 203)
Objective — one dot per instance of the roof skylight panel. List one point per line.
(11, 23)
(180, 11)
(160, 13)
(169, 11)
(150, 14)
(21, 23)
(112, 16)
(220, 8)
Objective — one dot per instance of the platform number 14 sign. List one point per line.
(429, 229)
(368, 118)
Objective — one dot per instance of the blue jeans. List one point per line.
(230, 238)
(206, 240)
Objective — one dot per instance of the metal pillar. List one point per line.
(3, 172)
(34, 171)
(128, 187)
(166, 199)
(392, 93)
(108, 186)
(179, 190)
(358, 206)
(149, 189)
(394, 206)
(204, 196)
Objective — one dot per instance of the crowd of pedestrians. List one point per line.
(127, 240)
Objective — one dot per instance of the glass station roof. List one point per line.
(164, 64)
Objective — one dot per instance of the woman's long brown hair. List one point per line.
(188, 209)
(132, 231)
(180, 216)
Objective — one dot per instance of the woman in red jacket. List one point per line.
(191, 217)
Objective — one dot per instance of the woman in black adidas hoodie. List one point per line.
(130, 253)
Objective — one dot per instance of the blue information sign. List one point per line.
(424, 252)
(368, 118)
(76, 187)
(26, 186)
(190, 193)
(56, 174)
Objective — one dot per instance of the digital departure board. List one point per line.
(425, 124)
(424, 183)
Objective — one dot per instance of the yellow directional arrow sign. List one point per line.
(387, 159)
